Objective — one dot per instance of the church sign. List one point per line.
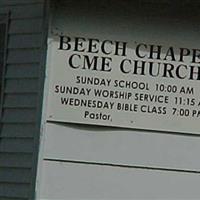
(124, 84)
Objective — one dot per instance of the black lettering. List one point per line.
(56, 89)
(136, 67)
(196, 54)
(137, 50)
(106, 64)
(178, 74)
(103, 47)
(90, 63)
(170, 53)
(79, 44)
(92, 48)
(122, 66)
(193, 72)
(168, 71)
(71, 61)
(155, 50)
(64, 43)
(120, 46)
(183, 52)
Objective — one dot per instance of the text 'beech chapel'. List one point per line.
(141, 59)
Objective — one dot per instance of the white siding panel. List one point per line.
(73, 181)
(120, 146)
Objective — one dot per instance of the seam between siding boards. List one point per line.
(24, 18)
(27, 33)
(147, 131)
(24, 63)
(5, 5)
(24, 48)
(125, 166)
(13, 198)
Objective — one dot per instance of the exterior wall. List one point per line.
(93, 162)
(20, 121)
(85, 181)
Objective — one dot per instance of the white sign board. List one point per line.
(124, 84)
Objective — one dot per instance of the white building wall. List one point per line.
(94, 162)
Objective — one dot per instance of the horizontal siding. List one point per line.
(15, 175)
(24, 41)
(18, 115)
(121, 147)
(69, 181)
(23, 56)
(22, 145)
(20, 11)
(20, 104)
(14, 190)
(30, 70)
(18, 130)
(25, 26)
(19, 2)
(16, 160)
(8, 198)
(21, 86)
(20, 101)
(27, 11)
